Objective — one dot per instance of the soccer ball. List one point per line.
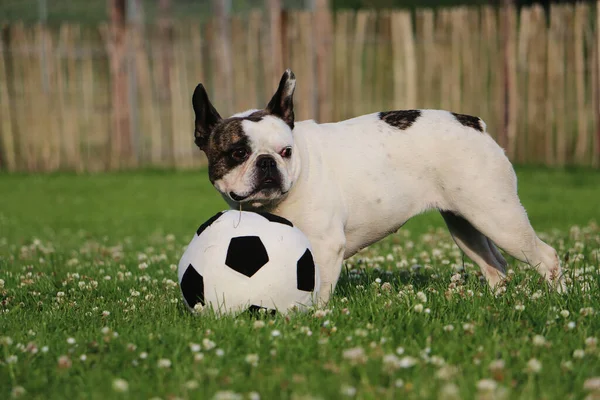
(240, 260)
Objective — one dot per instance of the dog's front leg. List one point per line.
(329, 256)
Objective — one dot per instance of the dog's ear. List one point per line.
(206, 116)
(282, 103)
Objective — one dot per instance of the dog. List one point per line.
(349, 184)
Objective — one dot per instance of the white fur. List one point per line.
(362, 179)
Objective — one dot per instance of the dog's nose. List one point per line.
(266, 163)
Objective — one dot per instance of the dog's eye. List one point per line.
(286, 153)
(239, 154)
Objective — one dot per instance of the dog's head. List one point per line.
(251, 155)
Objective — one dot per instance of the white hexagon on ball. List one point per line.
(240, 260)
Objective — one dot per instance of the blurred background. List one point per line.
(99, 85)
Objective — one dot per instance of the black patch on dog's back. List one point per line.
(469, 121)
(401, 119)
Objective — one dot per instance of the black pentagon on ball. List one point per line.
(276, 218)
(246, 255)
(255, 310)
(305, 272)
(192, 286)
(208, 223)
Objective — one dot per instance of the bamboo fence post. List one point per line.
(425, 62)
(253, 44)
(583, 139)
(362, 18)
(405, 64)
(323, 39)
(277, 36)
(8, 156)
(553, 77)
(596, 88)
(570, 87)
(239, 54)
(116, 42)
(342, 70)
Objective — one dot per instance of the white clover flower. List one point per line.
(219, 352)
(571, 325)
(347, 390)
(418, 308)
(468, 327)
(258, 324)
(448, 328)
(497, 365)
(208, 344)
(198, 357)
(143, 355)
(422, 297)
(447, 372)
(407, 362)
(275, 333)
(591, 342)
(191, 385)
(71, 340)
(120, 385)
(6, 340)
(534, 366)
(565, 313)
(17, 391)
(198, 307)
(592, 384)
(449, 392)
(227, 395)
(195, 347)
(487, 385)
(390, 361)
(579, 353)
(45, 349)
(252, 359)
(568, 365)
(12, 359)
(64, 362)
(519, 307)
(164, 363)
(83, 357)
(355, 355)
(143, 266)
(2, 283)
(539, 340)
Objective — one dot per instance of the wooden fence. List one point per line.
(92, 98)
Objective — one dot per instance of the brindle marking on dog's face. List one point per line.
(401, 119)
(226, 137)
(469, 121)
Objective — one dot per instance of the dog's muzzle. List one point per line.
(267, 177)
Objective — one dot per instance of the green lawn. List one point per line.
(80, 319)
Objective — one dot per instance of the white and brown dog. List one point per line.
(349, 184)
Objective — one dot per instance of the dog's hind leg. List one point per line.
(477, 247)
(498, 214)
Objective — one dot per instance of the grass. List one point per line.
(80, 319)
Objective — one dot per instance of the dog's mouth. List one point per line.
(268, 185)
